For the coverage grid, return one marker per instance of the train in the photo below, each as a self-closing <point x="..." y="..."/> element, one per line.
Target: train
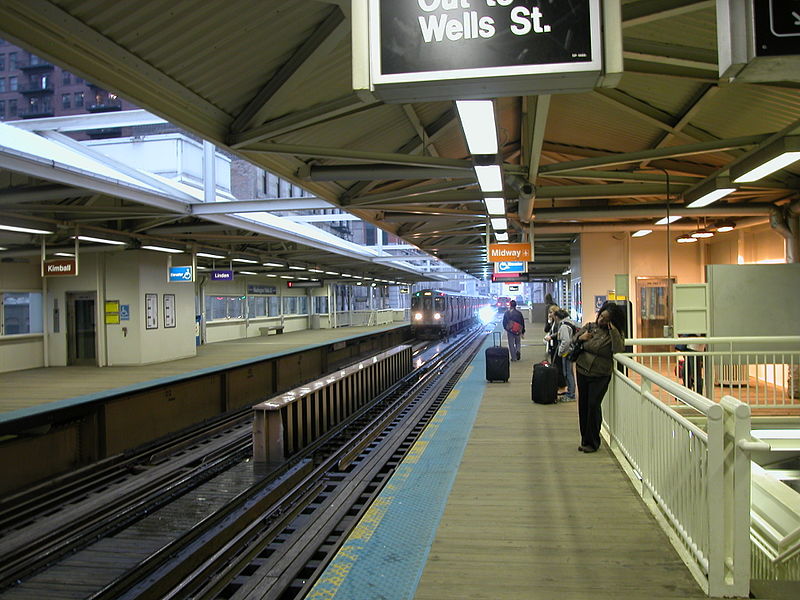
<point x="437" y="313"/>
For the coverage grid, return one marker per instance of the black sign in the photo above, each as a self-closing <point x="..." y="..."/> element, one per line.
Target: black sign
<point x="777" y="27"/>
<point x="441" y="35"/>
<point x="304" y="284"/>
<point x="267" y="290"/>
<point x="511" y="277"/>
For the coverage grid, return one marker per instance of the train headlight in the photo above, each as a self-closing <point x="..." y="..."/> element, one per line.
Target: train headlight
<point x="418" y="316"/>
<point x="436" y="316"/>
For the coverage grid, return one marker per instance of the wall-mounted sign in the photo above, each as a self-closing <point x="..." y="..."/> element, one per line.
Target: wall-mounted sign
<point x="124" y="312"/>
<point x="510" y="252"/>
<point x="169" y="311"/>
<point x="222" y="275"/>
<point x="482" y="48"/>
<point x="264" y="290"/>
<point x="510" y="267"/>
<point x="181" y="274"/>
<point x="304" y="284"/>
<point x="111" y="310"/>
<point x="777" y="27"/>
<point x="151" y="311"/>
<point x="404" y="290"/>
<point x="62" y="267"/>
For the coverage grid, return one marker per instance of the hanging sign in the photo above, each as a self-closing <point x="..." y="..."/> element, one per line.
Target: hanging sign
<point x="447" y="49"/>
<point x="511" y="267"/>
<point x="222" y="275"/>
<point x="181" y="274"/>
<point x="63" y="267"/>
<point x="509" y="252"/>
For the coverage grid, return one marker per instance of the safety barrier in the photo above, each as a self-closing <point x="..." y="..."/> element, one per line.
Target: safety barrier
<point x="693" y="474"/>
<point x="289" y="422"/>
<point x="761" y="372"/>
<point x="362" y="318"/>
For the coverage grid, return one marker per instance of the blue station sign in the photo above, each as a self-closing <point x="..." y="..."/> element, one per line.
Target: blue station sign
<point x="181" y="274"/>
<point x="222" y="275"/>
<point x="511" y="267"/>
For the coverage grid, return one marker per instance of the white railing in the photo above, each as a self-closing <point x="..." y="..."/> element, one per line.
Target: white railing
<point x="693" y="474"/>
<point x="363" y="318"/>
<point x="775" y="528"/>
<point x="763" y="372"/>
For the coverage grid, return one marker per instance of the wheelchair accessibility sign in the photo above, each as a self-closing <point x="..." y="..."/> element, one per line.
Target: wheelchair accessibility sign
<point x="181" y="274"/>
<point x="510" y="267"/>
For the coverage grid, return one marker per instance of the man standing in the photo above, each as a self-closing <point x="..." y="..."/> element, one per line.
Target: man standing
<point x="514" y="324"/>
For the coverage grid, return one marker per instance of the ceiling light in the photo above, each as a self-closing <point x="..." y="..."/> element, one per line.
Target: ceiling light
<point x="489" y="178"/>
<point x="685" y="239"/>
<point x="162" y="249"/>
<point x="66" y="254"/>
<point x="286" y="277"/>
<point x="642" y="233"/>
<point x="708" y="192"/>
<point x="671" y="219"/>
<point x="97" y="240"/>
<point x="315" y="271"/>
<point x="270" y="275"/>
<point x="477" y="120"/>
<point x="702" y="233"/>
<point x="294" y="268"/>
<point x="767" y="160"/>
<point x="272" y="264"/>
<point x="724" y="226"/>
<point x="19" y="226"/>
<point x="502" y="236"/>
<point x="331" y="273"/>
<point x="499" y="224"/>
<point x="245" y="260"/>
<point x="346" y="275"/>
<point x="248" y="273"/>
<point x="209" y="255"/>
<point x="3" y="248"/>
<point x="495" y="206"/>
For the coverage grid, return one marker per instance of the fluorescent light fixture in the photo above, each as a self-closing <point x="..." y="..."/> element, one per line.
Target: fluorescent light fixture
<point x="489" y="178"/>
<point x="642" y="233"/>
<point x="331" y="273"/>
<point x="685" y="239"/>
<point x="97" y="240"/>
<point x="702" y="233"/>
<point x="162" y="249"/>
<point x="245" y="260"/>
<point x="270" y="275"/>
<point x="23" y="229"/>
<point x="495" y="206"/>
<point x="672" y="219"/>
<point x="708" y="192"/>
<point x="209" y="255"/>
<point x="66" y="254"/>
<point x="477" y="120"/>
<point x="4" y="248"/>
<point x="710" y="197"/>
<point x="248" y="273"/>
<point x="316" y="271"/>
<point x="724" y="226"/>
<point x="294" y="268"/>
<point x="303" y="278"/>
<point x="499" y="224"/>
<point x="357" y="277"/>
<point x="346" y="275"/>
<point x="502" y="236"/>
<point x="764" y="161"/>
<point x="286" y="277"/>
<point x="272" y="264"/>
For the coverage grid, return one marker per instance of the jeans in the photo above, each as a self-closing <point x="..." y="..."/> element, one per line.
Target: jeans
<point x="569" y="373"/>
<point x="590" y="414"/>
<point x="513" y="345"/>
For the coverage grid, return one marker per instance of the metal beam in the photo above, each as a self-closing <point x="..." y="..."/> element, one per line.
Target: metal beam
<point x="319" y="44"/>
<point x="365" y="156"/>
<point x="606" y="190"/>
<point x="84" y="122"/>
<point x="655" y="211"/>
<point x="639" y="176"/>
<point x="258" y="205"/>
<point x="39" y="193"/>
<point x="377" y="172"/>
<point x="671" y="152"/>
<point x="649" y="11"/>
<point x="671" y="54"/>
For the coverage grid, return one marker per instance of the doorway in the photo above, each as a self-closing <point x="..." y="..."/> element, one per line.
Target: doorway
<point x="81" y="328"/>
<point x="653" y="294"/>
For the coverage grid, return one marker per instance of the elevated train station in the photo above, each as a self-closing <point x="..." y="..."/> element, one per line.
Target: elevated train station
<point x="177" y="271"/>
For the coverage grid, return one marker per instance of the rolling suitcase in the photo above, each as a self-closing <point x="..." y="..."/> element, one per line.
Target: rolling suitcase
<point x="497" y="360"/>
<point x="544" y="386"/>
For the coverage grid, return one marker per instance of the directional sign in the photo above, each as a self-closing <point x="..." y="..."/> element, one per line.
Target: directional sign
<point x="777" y="27"/>
<point x="511" y="267"/>
<point x="222" y="275"/>
<point x="509" y="252"/>
<point x="181" y="274"/>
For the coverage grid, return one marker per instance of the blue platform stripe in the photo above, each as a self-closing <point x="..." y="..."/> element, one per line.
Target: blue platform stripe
<point x="386" y="553"/>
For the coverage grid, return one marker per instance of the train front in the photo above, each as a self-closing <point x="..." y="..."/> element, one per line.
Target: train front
<point x="429" y="314"/>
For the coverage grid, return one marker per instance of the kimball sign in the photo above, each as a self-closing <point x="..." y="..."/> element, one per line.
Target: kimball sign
<point x="444" y="49"/>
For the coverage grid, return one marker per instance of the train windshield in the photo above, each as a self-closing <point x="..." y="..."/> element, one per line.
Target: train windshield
<point x="415" y="301"/>
<point x="438" y="302"/>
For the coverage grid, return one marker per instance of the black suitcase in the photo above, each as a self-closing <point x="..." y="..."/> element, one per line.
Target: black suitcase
<point x="544" y="386"/>
<point x="497" y="361"/>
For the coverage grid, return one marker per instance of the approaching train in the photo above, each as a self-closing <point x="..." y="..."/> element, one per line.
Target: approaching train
<point x="436" y="314"/>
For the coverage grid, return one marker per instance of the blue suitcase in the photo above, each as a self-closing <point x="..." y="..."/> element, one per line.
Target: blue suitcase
<point x="497" y="360"/>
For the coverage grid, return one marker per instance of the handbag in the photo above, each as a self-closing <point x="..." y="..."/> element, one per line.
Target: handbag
<point x="515" y="327"/>
<point x="574" y="350"/>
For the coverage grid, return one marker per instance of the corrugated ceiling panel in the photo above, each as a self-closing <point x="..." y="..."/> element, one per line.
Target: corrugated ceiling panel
<point x="669" y="94"/>
<point x="697" y="29"/>
<point x="743" y="109"/>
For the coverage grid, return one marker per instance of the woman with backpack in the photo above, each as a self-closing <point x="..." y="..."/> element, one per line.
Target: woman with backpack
<point x="566" y="329"/>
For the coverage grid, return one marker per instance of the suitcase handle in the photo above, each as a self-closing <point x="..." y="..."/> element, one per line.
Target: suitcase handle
<point x="497" y="338"/>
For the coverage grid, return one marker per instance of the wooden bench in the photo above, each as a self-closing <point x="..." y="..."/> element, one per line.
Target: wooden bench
<point x="267" y="330"/>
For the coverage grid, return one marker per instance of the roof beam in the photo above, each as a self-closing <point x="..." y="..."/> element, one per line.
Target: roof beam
<point x="317" y="46"/>
<point x="670" y="54"/>
<point x="377" y="172"/>
<point x="265" y="205"/>
<point x="84" y="122"/>
<point x="41" y="193"/>
<point x="648" y="11"/>
<point x="345" y="154"/>
<point x="319" y="113"/>
<point x="671" y="152"/>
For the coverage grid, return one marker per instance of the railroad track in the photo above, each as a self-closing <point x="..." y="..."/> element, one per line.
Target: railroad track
<point x="261" y="508"/>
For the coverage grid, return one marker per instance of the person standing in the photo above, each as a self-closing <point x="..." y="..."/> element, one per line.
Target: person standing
<point x="514" y="324"/>
<point x="566" y="329"/>
<point x="594" y="366"/>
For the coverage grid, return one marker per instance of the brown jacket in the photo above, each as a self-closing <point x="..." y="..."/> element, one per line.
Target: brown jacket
<point x="595" y="360"/>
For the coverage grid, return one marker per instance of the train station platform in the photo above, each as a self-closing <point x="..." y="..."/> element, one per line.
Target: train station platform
<point x="31" y="388"/>
<point x="495" y="501"/>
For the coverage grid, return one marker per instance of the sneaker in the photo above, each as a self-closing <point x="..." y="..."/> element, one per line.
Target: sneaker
<point x="518" y="357"/>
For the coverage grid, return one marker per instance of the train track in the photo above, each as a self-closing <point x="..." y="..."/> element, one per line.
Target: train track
<point x="267" y="511"/>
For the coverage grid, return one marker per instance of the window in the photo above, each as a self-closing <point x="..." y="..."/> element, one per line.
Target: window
<point x="224" y="307"/>
<point x="65" y="100"/>
<point x="2" y="62"/>
<point x="12" y="60"/>
<point x="13" y="85"/>
<point x="295" y="305"/>
<point x="78" y="99"/>
<point x="21" y="312"/>
<point x="2" y="84"/>
<point x="257" y="306"/>
<point x="12" y="108"/>
<point x="66" y="77"/>
<point x="2" y="109"/>
<point x="320" y="305"/>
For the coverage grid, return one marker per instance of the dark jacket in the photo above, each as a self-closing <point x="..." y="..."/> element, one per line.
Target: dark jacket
<point x="512" y="314"/>
<point x="595" y="360"/>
